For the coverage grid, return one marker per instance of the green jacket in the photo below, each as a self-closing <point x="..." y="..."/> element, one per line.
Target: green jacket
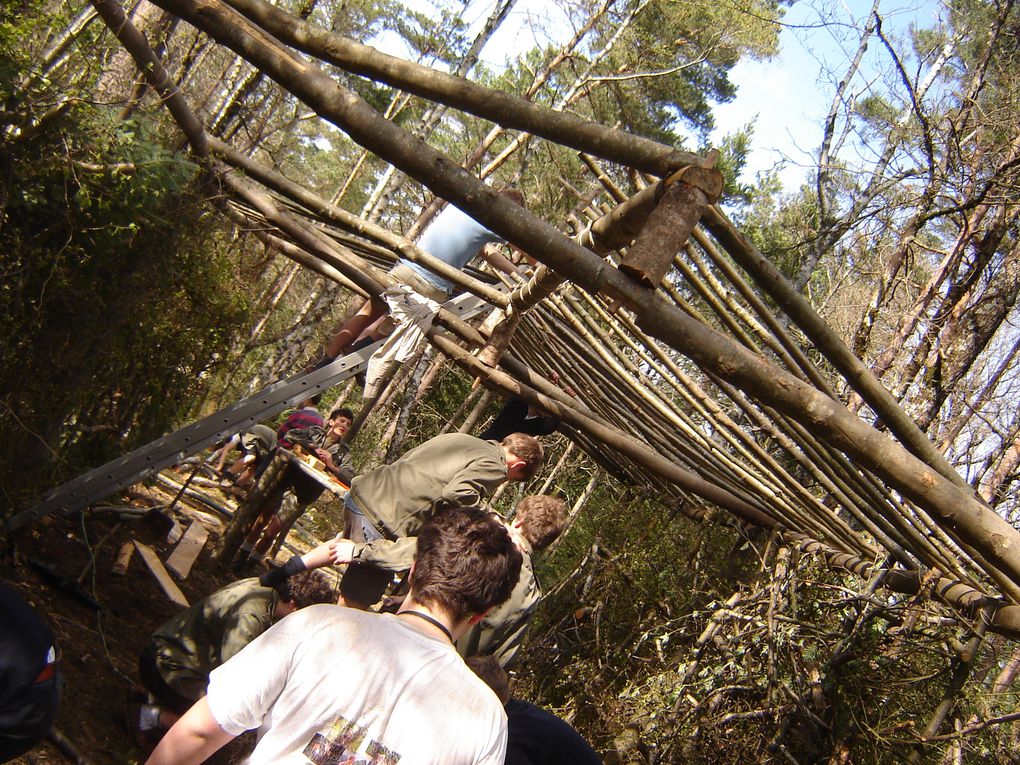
<point x="451" y="470"/>
<point x="499" y="633"/>
<point x="200" y="638"/>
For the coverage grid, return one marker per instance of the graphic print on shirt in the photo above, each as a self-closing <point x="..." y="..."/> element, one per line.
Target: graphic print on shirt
<point x="340" y="744"/>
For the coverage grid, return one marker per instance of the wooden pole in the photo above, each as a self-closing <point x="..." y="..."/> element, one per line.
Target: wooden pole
<point x="502" y="108"/>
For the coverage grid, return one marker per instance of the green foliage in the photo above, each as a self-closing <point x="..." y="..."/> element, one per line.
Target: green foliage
<point x="434" y="40"/>
<point x="114" y="301"/>
<point x="622" y="600"/>
<point x="358" y="19"/>
<point x="780" y="225"/>
<point x="876" y="111"/>
<point x="122" y="296"/>
<point x="795" y="666"/>
<point x="677" y="57"/>
<point x="733" y="150"/>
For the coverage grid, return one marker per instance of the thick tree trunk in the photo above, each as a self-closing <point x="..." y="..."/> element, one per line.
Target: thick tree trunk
<point x="505" y="109"/>
<point x="380" y="197"/>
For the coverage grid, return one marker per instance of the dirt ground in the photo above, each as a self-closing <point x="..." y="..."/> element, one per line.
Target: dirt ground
<point x="101" y="647"/>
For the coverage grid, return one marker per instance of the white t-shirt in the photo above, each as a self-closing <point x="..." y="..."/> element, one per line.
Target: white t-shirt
<point x="454" y="237"/>
<point x="335" y="686"/>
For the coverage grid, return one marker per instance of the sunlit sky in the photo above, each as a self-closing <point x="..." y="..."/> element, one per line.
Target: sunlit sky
<point x="786" y="98"/>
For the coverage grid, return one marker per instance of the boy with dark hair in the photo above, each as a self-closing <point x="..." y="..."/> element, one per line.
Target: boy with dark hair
<point x="386" y="507"/>
<point x="534" y="736"/>
<point x="175" y="666"/>
<point x="538" y="521"/>
<point x="332" y="684"/>
<point x="296" y="491"/>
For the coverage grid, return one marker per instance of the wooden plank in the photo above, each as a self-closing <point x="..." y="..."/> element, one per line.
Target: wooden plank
<point x="669" y="225"/>
<point x="175" y="533"/>
<point x="155" y="565"/>
<point x="184" y="555"/>
<point x="309" y="459"/>
<point x="120" y="566"/>
<point x="326" y="480"/>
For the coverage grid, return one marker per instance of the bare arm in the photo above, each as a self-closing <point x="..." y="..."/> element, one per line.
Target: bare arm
<point x="321" y="555"/>
<point x="491" y="255"/>
<point x="192" y="739"/>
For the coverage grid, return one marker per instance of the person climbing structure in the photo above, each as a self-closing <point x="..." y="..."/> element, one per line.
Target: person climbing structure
<point x="454" y="237"/>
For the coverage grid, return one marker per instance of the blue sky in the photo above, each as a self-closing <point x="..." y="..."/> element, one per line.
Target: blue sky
<point x="786" y="98"/>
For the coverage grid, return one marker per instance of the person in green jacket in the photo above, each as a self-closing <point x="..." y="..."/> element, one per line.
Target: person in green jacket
<point x="387" y="506"/>
<point x="175" y="665"/>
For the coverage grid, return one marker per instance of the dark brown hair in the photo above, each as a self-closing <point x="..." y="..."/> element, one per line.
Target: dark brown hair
<point x="343" y="412"/>
<point x="542" y="518"/>
<point x="466" y="562"/>
<point x="527" y="448"/>
<point x="307" y="588"/>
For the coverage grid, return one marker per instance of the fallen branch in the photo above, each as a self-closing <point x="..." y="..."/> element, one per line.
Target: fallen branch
<point x="65" y="747"/>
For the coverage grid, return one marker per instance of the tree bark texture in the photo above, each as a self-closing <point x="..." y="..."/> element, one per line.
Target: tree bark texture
<point x="507" y="110"/>
<point x="964" y="517"/>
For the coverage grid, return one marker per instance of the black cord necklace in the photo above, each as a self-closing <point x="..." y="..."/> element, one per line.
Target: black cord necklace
<point x="434" y="622"/>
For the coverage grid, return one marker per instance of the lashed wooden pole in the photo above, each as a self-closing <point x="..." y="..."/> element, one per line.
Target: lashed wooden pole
<point x="964" y="516"/>
<point x="505" y="109"/>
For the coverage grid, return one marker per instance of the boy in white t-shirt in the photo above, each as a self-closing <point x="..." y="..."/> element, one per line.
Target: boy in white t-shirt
<point x="331" y="684"/>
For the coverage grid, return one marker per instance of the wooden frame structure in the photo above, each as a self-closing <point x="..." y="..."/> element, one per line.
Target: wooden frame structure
<point x="687" y="379"/>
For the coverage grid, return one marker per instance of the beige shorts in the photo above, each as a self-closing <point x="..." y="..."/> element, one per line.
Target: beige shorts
<point x="405" y="275"/>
